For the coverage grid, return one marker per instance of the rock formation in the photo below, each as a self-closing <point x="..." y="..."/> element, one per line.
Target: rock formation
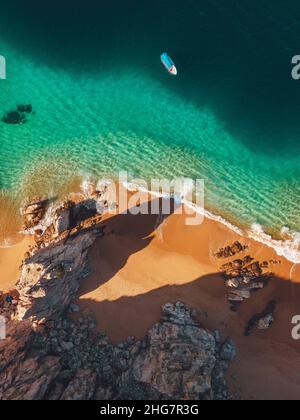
<point x="231" y="250"/>
<point x="243" y="277"/>
<point x="33" y="212"/>
<point x="66" y="360"/>
<point x="263" y="320"/>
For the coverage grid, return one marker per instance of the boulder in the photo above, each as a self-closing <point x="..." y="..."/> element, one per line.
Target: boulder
<point x="14" y="117"/>
<point x="265" y="322"/>
<point x="62" y="219"/>
<point x="51" y="277"/>
<point x="34" y="211"/>
<point x="262" y="321"/>
<point x="179" y="359"/>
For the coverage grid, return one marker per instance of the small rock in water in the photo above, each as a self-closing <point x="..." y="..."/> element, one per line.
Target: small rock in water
<point x="14" y="117"/>
<point x="17" y="116"/>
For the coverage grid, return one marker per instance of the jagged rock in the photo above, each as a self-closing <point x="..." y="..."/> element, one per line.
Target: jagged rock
<point x="51" y="277"/>
<point x="178" y="360"/>
<point x="24" y="376"/>
<point x="34" y="211"/>
<point x="81" y="387"/>
<point x="228" y="351"/>
<point x="83" y="210"/>
<point x="62" y="218"/>
<point x="233" y="283"/>
<point x="263" y="320"/>
<point x="231" y="250"/>
<point x="242" y="277"/>
<point x="239" y="295"/>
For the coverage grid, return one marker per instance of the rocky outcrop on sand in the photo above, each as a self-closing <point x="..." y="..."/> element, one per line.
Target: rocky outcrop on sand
<point x="33" y="212"/>
<point x="245" y="276"/>
<point x="26" y="370"/>
<point x="50" y="278"/>
<point x="262" y="321"/>
<point x="231" y="250"/>
<point x="67" y="360"/>
<point x="180" y="360"/>
<point x="52" y="271"/>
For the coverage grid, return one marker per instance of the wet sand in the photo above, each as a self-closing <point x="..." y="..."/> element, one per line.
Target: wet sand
<point x="144" y="262"/>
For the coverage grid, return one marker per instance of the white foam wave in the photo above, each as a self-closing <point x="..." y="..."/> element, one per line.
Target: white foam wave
<point x="288" y="248"/>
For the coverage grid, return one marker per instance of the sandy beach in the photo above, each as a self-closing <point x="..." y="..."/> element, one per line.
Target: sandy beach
<point x="144" y="262"/>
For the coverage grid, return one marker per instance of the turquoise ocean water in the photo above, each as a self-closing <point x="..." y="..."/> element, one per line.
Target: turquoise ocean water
<point x="104" y="103"/>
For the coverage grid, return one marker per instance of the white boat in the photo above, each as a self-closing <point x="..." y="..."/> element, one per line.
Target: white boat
<point x="168" y="64"/>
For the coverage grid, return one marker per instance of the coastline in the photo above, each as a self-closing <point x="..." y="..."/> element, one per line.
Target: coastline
<point x="285" y="242"/>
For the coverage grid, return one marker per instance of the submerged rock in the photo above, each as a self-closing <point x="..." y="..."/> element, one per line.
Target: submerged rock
<point x="17" y="116"/>
<point x="14" y="117"/>
<point x="179" y="360"/>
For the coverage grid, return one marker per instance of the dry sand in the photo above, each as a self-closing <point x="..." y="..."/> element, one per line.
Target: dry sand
<point x="144" y="262"/>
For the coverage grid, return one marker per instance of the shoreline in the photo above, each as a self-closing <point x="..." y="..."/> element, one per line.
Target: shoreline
<point x="286" y="243"/>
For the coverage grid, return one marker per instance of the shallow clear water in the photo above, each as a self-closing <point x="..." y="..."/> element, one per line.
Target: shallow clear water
<point x="104" y="103"/>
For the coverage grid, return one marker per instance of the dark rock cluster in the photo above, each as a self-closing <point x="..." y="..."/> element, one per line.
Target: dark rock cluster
<point x="67" y="360"/>
<point x="17" y="116"/>
<point x="263" y="320"/>
<point x="243" y="277"/>
<point x="231" y="250"/>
